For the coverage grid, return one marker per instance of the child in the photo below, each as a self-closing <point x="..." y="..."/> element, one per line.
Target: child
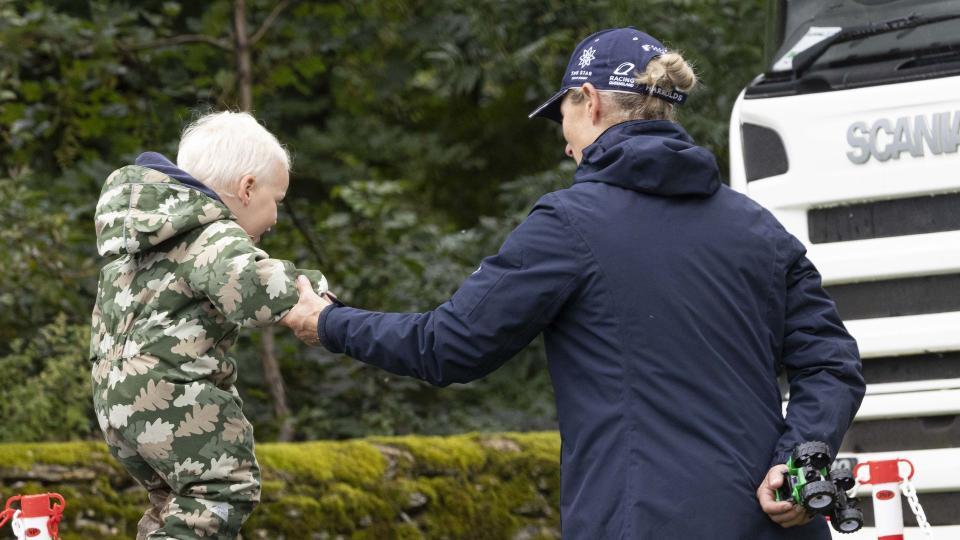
<point x="168" y="308"/>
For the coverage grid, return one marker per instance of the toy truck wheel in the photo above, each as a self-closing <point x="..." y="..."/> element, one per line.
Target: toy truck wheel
<point x="847" y="520"/>
<point x="819" y="496"/>
<point x="843" y="479"/>
<point x="816" y="454"/>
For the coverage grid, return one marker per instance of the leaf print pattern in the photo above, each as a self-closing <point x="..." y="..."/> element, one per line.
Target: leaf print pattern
<point x="156" y="396"/>
<point x="189" y="396"/>
<point x="201" y="420"/>
<point x="183" y="276"/>
<point x="234" y="430"/>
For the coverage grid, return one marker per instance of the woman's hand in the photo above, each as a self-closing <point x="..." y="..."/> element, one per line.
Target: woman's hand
<point x="305" y="315"/>
<point x="786" y="513"/>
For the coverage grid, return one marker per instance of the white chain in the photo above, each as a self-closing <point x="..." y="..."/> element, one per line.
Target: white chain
<point x="910" y="492"/>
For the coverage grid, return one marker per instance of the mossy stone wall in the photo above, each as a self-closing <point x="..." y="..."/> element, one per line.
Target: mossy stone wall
<point x="474" y="486"/>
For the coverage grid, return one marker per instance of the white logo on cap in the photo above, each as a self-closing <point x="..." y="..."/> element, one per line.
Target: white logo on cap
<point x="624" y="69"/>
<point x="647" y="47"/>
<point x="587" y="56"/>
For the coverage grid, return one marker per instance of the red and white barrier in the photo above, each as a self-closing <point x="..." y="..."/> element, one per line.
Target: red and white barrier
<point x="37" y="518"/>
<point x="885" y="478"/>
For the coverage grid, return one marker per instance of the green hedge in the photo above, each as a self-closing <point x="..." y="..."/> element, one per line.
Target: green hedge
<point x="483" y="486"/>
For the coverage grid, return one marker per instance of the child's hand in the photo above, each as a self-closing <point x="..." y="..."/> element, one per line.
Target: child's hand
<point x="304" y="316"/>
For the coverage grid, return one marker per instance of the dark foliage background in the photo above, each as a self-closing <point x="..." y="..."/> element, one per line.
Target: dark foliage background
<point x="413" y="159"/>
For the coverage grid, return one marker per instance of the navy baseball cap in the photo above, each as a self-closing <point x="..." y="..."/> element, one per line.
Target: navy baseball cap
<point x="610" y="60"/>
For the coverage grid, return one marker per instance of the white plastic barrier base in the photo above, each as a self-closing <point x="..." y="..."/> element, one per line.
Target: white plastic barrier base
<point x="951" y="532"/>
<point x="30" y="528"/>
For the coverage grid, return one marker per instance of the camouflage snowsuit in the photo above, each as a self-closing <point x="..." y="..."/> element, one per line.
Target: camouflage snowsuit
<point x="168" y="309"/>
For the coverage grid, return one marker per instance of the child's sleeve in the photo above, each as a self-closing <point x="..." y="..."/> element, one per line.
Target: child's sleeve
<point x="316" y="278"/>
<point x="241" y="280"/>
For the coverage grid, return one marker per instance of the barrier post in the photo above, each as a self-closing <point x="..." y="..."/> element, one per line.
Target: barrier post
<point x="885" y="478"/>
<point x="38" y="518"/>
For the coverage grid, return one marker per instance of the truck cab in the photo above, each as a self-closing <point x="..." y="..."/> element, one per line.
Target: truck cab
<point x="851" y="138"/>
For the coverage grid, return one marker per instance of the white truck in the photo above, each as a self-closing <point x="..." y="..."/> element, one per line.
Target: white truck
<point x="852" y="139"/>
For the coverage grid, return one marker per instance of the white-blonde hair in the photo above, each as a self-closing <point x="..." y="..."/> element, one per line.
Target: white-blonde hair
<point x="219" y="149"/>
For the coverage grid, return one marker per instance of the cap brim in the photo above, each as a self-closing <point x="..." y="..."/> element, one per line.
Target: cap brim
<point x="550" y="108"/>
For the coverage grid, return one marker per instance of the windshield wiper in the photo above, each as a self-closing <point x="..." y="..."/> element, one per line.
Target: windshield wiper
<point x="805" y="59"/>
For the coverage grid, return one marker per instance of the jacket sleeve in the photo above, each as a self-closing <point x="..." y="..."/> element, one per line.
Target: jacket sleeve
<point x="243" y="283"/>
<point x="821" y="360"/>
<point x="497" y="310"/>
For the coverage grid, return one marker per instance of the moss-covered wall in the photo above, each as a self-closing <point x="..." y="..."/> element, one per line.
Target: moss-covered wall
<point x="481" y="486"/>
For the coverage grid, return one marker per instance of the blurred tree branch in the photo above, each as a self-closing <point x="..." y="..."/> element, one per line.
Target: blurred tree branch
<point x="304" y="232"/>
<point x="187" y="39"/>
<point x="268" y="21"/>
<point x="183" y="39"/>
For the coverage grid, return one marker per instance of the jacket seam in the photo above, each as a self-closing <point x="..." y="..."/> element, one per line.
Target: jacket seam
<point x="490" y="289"/>
<point x="624" y="399"/>
<point x="770" y="295"/>
<point x="509" y="343"/>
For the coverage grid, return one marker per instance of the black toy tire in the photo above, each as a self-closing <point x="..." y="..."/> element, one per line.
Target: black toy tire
<point x="847" y="520"/>
<point x="813" y="453"/>
<point x="819" y="496"/>
<point x="843" y="479"/>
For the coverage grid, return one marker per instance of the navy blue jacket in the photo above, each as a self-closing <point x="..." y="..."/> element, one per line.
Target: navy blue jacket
<point x="667" y="302"/>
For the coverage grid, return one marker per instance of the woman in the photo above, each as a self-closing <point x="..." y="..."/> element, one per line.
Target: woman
<point x="667" y="302"/>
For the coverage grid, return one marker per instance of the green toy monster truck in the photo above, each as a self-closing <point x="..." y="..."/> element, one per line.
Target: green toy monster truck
<point x="809" y="482"/>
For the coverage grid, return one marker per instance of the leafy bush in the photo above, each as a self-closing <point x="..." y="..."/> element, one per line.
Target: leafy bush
<point x="47" y="386"/>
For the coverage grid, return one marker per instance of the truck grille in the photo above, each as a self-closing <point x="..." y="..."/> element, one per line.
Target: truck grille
<point x="915" y="367"/>
<point x="896" y="434"/>
<point x="883" y="219"/>
<point x="897" y="297"/>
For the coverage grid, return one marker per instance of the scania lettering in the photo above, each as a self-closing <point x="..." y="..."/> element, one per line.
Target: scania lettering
<point x="937" y="132"/>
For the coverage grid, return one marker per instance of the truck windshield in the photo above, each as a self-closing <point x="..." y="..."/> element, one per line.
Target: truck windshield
<point x="931" y="32"/>
<point x="829" y="45"/>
